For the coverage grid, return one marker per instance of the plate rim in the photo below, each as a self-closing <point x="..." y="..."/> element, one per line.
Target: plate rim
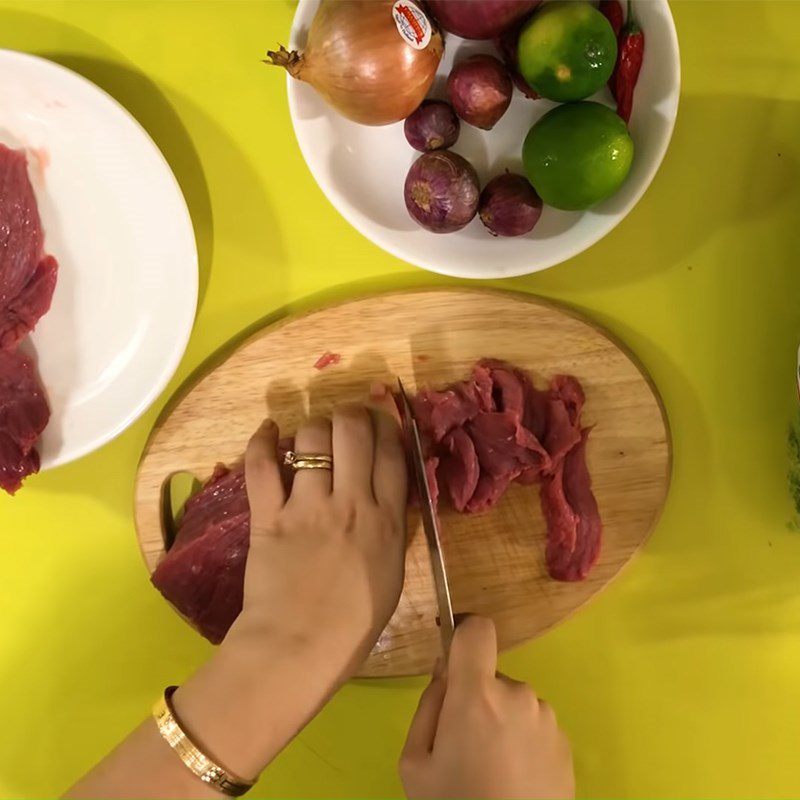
<point x="187" y="307"/>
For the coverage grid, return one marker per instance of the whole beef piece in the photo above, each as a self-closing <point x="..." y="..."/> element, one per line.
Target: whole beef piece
<point x="27" y="282"/>
<point x="480" y="436"/>
<point x="24" y="413"/>
<point x="203" y="573"/>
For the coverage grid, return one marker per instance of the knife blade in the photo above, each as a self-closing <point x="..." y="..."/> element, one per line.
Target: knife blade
<point x="430" y="523"/>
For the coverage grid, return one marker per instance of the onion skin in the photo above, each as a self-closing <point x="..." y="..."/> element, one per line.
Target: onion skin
<point x="442" y="191"/>
<point x="480" y="90"/>
<point x="360" y="64"/>
<point x="433" y="126"/>
<point x="509" y="205"/>
<point x="479" y="19"/>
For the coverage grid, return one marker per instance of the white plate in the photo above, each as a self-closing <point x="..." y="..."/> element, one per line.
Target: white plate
<point x="362" y="169"/>
<point x="115" y="218"/>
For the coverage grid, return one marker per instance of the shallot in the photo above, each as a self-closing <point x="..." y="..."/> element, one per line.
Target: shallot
<point x="441" y="191"/>
<point x="480" y="90"/>
<point x="509" y="205"/>
<point x="433" y="126"/>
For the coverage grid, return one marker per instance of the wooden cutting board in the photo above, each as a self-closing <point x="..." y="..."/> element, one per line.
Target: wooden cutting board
<point x="495" y="560"/>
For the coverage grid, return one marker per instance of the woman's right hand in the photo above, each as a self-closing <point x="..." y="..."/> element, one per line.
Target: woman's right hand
<point x="478" y="734"/>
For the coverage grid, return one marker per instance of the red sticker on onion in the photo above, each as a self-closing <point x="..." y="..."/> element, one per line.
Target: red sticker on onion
<point x="412" y="24"/>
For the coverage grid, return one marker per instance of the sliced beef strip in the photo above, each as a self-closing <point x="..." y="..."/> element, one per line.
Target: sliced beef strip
<point x="489" y="490"/>
<point x="514" y="392"/>
<point x="431" y="466"/>
<point x="562" y="521"/>
<point x="437" y="413"/>
<point x="573" y="519"/>
<point x="503" y="445"/>
<point x="482" y="380"/>
<point x="534" y="417"/>
<point x="564" y="406"/>
<point x="458" y="468"/>
<point x="506" y="451"/>
<point x="508" y="391"/>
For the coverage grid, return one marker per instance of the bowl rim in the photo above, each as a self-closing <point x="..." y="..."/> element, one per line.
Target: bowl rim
<point x="490" y="270"/>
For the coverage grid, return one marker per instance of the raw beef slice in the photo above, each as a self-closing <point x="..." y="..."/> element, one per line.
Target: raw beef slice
<point x="21" y="237"/>
<point x="22" y="313"/>
<point x="27" y="278"/>
<point x="437" y="413"/>
<point x="24" y="413"/>
<point x="574" y="528"/>
<point x="564" y="406"/>
<point x="458" y="468"/>
<point x="27" y="282"/>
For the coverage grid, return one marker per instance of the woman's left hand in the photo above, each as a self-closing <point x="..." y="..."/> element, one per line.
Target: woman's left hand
<point x="326" y="564"/>
<point x="324" y="574"/>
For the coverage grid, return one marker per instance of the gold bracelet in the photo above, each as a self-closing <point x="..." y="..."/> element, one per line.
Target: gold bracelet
<point x="192" y="756"/>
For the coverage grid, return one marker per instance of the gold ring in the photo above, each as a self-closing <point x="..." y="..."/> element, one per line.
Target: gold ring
<point x="305" y="463"/>
<point x="298" y="461"/>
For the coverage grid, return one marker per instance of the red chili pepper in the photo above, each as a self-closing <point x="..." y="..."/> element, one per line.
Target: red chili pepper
<point x="612" y="11"/>
<point x="629" y="61"/>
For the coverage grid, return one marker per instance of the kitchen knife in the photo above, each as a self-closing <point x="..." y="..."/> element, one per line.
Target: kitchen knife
<point x="430" y="522"/>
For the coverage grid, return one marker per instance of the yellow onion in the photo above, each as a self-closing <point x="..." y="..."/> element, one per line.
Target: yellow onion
<point x="371" y="60"/>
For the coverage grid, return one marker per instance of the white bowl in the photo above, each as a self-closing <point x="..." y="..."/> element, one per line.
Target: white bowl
<point x="362" y="169"/>
<point x="114" y="217"/>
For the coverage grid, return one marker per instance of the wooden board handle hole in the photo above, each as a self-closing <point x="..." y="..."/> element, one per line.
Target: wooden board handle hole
<point x="175" y="491"/>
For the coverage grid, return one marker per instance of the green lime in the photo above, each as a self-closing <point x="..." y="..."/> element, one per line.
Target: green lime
<point x="567" y="50"/>
<point x="577" y="155"/>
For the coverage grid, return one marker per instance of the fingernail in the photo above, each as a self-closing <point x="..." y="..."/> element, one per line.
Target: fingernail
<point x="377" y="390"/>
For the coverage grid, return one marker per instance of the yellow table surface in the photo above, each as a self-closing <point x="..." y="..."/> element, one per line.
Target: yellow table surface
<point x="683" y="678"/>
